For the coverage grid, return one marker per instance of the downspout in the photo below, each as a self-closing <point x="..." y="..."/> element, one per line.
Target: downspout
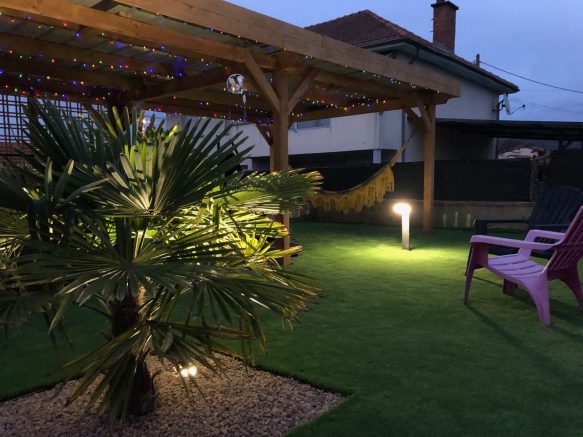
<point x="497" y="140"/>
<point x="403" y="133"/>
<point x="377" y="157"/>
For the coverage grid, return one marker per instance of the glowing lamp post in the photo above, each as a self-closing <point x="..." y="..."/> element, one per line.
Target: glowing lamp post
<point x="404" y="210"/>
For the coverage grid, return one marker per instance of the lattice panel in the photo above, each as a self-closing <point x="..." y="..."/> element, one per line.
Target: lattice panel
<point x="13" y="123"/>
<point x="72" y="109"/>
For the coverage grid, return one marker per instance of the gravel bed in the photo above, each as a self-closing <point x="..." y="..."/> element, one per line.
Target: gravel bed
<point x="247" y="402"/>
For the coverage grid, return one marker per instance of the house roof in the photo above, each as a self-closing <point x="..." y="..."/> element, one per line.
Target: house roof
<point x="366" y="29"/>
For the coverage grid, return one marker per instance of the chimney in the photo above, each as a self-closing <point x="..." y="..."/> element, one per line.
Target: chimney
<point x="444" y="13"/>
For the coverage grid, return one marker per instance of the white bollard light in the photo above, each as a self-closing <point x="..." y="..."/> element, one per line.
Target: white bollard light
<point x="404" y="210"/>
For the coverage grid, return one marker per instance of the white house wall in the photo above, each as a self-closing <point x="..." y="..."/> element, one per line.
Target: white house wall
<point x="356" y="132"/>
<point x="475" y="102"/>
<point x="390" y="132"/>
<point x="384" y="131"/>
<point x="344" y="134"/>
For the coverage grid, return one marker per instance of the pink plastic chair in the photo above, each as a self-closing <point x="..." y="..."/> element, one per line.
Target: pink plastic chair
<point x="520" y="270"/>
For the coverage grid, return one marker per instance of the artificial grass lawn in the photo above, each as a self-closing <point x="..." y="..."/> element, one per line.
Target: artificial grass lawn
<point x="391" y="330"/>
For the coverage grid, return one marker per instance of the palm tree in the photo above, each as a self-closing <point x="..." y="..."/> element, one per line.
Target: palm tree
<point x="152" y="229"/>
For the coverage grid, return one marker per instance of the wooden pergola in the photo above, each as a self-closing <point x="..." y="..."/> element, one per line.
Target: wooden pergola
<point x="175" y="56"/>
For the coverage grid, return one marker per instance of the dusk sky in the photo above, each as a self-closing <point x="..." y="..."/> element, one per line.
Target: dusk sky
<point x="538" y="39"/>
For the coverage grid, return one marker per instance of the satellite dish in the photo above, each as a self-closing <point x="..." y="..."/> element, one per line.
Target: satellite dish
<point x="507" y="104"/>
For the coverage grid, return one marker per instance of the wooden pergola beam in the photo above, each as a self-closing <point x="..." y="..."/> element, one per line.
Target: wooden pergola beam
<point x="302" y="90"/>
<point x="242" y="22"/>
<point x="349" y="83"/>
<point x="425" y="118"/>
<point x="9" y="82"/>
<point x="64" y="52"/>
<point x="302" y="87"/>
<point x="314" y="76"/>
<point x="325" y="98"/>
<point x="131" y="30"/>
<point x="220" y="96"/>
<point x="190" y="107"/>
<point x="416" y="119"/>
<point x="265" y="133"/>
<point x="175" y="86"/>
<point x="357" y="110"/>
<point x="261" y="80"/>
<point x="70" y="74"/>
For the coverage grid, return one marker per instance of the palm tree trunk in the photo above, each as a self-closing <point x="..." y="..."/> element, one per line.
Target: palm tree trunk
<point x="143" y="394"/>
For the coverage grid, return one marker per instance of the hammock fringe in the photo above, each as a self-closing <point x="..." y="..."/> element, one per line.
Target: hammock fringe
<point x="362" y="196"/>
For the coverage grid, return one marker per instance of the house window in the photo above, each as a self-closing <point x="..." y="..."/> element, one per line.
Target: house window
<point x="325" y="122"/>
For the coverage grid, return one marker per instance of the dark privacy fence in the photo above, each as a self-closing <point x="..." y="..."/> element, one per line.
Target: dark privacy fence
<point x="565" y="168"/>
<point x="504" y="180"/>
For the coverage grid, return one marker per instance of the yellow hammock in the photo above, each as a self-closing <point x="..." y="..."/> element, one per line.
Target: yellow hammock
<point x="366" y="194"/>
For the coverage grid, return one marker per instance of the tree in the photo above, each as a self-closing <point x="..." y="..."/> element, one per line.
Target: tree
<point x="152" y="229"/>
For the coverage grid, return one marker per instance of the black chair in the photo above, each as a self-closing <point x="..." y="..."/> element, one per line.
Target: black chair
<point x="553" y="211"/>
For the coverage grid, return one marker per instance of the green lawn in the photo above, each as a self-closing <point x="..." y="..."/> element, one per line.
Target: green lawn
<point x="391" y="330"/>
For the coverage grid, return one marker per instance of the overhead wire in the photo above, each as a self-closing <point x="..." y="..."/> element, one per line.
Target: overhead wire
<point x="547" y="106"/>
<point x="533" y="80"/>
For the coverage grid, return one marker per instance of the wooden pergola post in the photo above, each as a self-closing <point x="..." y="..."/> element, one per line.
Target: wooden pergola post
<point x="426" y="122"/>
<point x="279" y="150"/>
<point x="429" y="168"/>
<point x="282" y="103"/>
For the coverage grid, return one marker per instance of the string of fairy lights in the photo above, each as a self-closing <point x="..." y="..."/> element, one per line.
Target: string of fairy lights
<point x="166" y="66"/>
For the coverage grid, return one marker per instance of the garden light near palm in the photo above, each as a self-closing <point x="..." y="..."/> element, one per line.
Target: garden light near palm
<point x="404" y="210"/>
<point x="189" y="371"/>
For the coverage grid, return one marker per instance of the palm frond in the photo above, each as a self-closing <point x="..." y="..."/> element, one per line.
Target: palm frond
<point x="274" y="192"/>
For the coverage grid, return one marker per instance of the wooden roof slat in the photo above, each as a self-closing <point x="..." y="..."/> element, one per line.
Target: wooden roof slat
<point x="131" y="30"/>
<point x="68" y="74"/>
<point x="174" y="86"/>
<point x="213" y="111"/>
<point x="357" y="110"/>
<point x="34" y="47"/>
<point x="220" y="96"/>
<point x="51" y="86"/>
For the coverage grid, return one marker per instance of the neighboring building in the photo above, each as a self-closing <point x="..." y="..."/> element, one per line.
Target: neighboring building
<point x="373" y="138"/>
<point x="520" y="151"/>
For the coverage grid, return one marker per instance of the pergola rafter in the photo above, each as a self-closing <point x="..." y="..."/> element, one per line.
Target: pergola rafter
<point x="174" y="55"/>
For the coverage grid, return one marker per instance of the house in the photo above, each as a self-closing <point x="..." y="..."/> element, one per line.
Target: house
<point x="374" y="138"/>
